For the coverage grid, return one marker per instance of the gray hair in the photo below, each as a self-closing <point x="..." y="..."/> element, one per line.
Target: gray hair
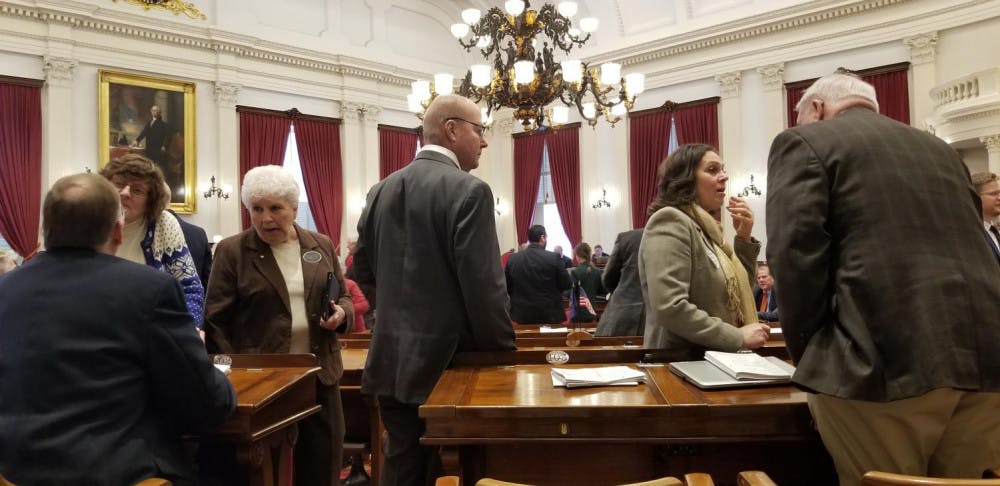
<point x="271" y="181"/>
<point x="836" y="87"/>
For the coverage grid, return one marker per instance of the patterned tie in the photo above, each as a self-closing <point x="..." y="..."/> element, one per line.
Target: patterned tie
<point x="993" y="245"/>
<point x="763" y="301"/>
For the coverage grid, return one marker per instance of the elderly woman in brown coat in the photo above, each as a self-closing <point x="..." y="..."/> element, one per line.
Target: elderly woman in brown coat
<point x="266" y="296"/>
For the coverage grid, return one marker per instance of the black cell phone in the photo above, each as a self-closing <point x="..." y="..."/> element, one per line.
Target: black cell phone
<point x="331" y="293"/>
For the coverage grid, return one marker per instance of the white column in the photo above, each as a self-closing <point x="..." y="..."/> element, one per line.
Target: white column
<point x="500" y="176"/>
<point x="992" y="144"/>
<point x="773" y="79"/>
<point x="353" y="147"/>
<point x="773" y="122"/>
<point x="58" y="156"/>
<point x="923" y="52"/>
<point x="227" y="159"/>
<point x="730" y="134"/>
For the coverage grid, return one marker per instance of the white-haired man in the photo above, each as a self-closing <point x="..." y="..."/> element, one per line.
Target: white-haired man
<point x="889" y="293"/>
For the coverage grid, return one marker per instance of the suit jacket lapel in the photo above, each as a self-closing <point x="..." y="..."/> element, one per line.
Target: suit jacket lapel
<point x="263" y="260"/>
<point x="311" y="268"/>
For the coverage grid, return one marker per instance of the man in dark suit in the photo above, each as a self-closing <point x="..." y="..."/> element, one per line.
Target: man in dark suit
<point x="558" y="250"/>
<point x="625" y="314"/>
<point x="101" y="370"/>
<point x="536" y="280"/>
<point x="764" y="296"/>
<point x="427" y="241"/>
<point x="988" y="187"/>
<point x="197" y="242"/>
<point x="155" y="133"/>
<point x="889" y="296"/>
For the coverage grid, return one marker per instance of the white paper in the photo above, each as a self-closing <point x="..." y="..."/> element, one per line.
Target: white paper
<point x="607" y="375"/>
<point x="553" y="329"/>
<point x="745" y="365"/>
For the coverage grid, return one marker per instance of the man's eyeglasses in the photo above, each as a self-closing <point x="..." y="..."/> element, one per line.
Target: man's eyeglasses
<point x="990" y="194"/>
<point x="479" y="128"/>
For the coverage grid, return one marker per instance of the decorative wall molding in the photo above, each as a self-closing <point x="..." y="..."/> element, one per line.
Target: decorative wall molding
<point x="371" y="113"/>
<point x="923" y="47"/>
<point x="213" y="40"/>
<point x="59" y="71"/>
<point x="729" y="84"/>
<point x="773" y="76"/>
<point x="351" y="111"/>
<point x="992" y="143"/>
<point x="227" y="94"/>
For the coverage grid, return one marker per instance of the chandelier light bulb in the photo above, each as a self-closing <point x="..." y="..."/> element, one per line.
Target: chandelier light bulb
<point x="572" y="70"/>
<point x="567" y="9"/>
<point x="514" y="7"/>
<point x="483" y="42"/>
<point x="413" y="104"/>
<point x="589" y="111"/>
<point x="560" y="115"/>
<point x="470" y="15"/>
<point x="482" y="74"/>
<point x="421" y="90"/>
<point x="444" y="83"/>
<point x="487" y="117"/>
<point x="588" y="24"/>
<point x="619" y="109"/>
<point x="611" y="73"/>
<point x="459" y="30"/>
<point x="524" y="72"/>
<point x="635" y="83"/>
<point x="573" y="32"/>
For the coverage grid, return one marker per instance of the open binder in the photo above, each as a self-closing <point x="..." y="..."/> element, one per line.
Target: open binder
<point x="732" y="370"/>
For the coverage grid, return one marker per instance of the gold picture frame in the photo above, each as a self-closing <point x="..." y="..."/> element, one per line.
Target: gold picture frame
<point x="125" y="111"/>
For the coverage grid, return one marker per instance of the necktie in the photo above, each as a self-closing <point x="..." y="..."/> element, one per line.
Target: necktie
<point x="763" y="301"/>
<point x="993" y="245"/>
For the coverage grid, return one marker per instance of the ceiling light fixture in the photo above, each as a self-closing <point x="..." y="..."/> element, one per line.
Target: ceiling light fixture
<point x="522" y="73"/>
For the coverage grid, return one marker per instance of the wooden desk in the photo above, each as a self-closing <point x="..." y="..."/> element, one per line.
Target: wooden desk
<point x="361" y="418"/>
<point x="510" y="423"/>
<point x="273" y="393"/>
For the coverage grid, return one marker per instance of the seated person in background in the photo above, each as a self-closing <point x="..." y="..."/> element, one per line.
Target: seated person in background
<point x="101" y="368"/>
<point x="599" y="257"/>
<point x="558" y="250"/>
<point x="625" y="314"/>
<point x="696" y="287"/>
<point x="587" y="274"/>
<point x="764" y="295"/>
<point x="360" y="305"/>
<point x="988" y="187"/>
<point x="536" y="280"/>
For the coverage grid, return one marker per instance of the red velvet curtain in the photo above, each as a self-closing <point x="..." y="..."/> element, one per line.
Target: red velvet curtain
<point x="318" y="143"/>
<point x="21" y="165"/>
<point x="396" y="147"/>
<point x="564" y="164"/>
<point x="698" y="123"/>
<point x="892" y="89"/>
<point x="649" y="137"/>
<point x="527" y="174"/>
<point x="263" y="138"/>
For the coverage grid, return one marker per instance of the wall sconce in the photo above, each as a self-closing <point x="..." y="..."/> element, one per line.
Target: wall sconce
<point x="500" y="207"/>
<point x="219" y="192"/>
<point x="603" y="201"/>
<point x="750" y="190"/>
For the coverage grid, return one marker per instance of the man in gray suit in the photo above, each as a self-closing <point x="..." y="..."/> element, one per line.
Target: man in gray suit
<point x="889" y="294"/>
<point x="427" y="242"/>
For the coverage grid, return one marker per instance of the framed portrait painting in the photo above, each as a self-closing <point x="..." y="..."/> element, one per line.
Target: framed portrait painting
<point x="153" y="117"/>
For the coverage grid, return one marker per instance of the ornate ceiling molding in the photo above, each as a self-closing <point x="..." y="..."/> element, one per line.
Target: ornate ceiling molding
<point x="211" y="39"/>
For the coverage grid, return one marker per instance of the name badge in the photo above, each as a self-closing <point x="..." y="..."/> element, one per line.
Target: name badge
<point x="312" y="256"/>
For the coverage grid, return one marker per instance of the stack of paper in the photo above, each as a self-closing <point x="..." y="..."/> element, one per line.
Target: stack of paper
<point x="746" y="366"/>
<point x="608" y="375"/>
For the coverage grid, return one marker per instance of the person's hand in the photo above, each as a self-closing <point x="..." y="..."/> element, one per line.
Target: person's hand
<point x="336" y="317"/>
<point x="755" y="335"/>
<point x="201" y="334"/>
<point x="742" y="217"/>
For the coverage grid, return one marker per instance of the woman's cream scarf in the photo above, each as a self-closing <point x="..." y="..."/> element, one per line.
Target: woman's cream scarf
<point x="741" y="302"/>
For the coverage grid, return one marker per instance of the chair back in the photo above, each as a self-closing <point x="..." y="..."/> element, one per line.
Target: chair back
<point x="876" y="478"/>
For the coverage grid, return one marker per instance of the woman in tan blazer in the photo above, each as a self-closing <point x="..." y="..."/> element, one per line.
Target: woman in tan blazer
<point x="266" y="296"/>
<point x="696" y="287"/>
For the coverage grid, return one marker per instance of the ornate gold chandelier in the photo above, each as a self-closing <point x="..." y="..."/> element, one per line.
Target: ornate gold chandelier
<point x="175" y="6"/>
<point x="523" y="74"/>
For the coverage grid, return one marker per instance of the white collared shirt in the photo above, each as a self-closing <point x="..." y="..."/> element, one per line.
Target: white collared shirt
<point x="993" y="237"/>
<point x="443" y="150"/>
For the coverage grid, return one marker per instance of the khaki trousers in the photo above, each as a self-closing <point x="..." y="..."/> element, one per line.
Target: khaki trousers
<point x="943" y="433"/>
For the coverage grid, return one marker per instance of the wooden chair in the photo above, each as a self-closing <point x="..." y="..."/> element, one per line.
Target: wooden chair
<point x="745" y="478"/>
<point x="876" y="478"/>
<point x="754" y="478"/>
<point x="144" y="482"/>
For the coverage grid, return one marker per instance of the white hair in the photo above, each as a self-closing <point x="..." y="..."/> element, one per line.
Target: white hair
<point x="836" y="87"/>
<point x="271" y="181"/>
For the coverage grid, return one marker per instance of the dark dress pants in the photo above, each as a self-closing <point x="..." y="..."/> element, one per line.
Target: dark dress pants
<point x="319" y="450"/>
<point x="406" y="461"/>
